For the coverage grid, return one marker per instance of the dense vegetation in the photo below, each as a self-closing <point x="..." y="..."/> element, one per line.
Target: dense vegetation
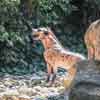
<point x="67" y="18"/>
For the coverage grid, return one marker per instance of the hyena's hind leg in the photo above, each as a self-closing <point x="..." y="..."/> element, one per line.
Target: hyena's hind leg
<point x="91" y="52"/>
<point x="97" y="51"/>
<point x="97" y="55"/>
<point x="68" y="82"/>
<point x="70" y="77"/>
<point x="90" y="45"/>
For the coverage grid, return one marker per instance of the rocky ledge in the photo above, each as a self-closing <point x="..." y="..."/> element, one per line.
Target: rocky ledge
<point x="87" y="81"/>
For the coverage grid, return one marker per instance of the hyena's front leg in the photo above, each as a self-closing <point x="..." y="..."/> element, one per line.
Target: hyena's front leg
<point x="50" y="72"/>
<point x="54" y="74"/>
<point x="52" y="77"/>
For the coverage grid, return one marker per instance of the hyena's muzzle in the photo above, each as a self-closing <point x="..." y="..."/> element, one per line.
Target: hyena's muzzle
<point x="33" y="37"/>
<point x="30" y="39"/>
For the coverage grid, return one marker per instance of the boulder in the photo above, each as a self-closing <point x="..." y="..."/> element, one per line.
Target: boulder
<point x="86" y="85"/>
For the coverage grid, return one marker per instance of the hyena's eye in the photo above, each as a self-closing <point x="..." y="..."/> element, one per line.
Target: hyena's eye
<point x="46" y="32"/>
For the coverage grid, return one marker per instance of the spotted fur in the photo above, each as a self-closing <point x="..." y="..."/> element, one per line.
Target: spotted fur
<point x="56" y="55"/>
<point x="92" y="40"/>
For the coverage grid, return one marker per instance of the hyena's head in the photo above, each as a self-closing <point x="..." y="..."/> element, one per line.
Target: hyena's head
<point x="40" y="33"/>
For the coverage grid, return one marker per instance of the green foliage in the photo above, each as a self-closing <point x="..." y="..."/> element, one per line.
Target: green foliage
<point x="52" y="11"/>
<point x="7" y="10"/>
<point x="16" y="53"/>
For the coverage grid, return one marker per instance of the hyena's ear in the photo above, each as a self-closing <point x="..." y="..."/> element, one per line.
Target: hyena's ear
<point x="49" y="29"/>
<point x="34" y="30"/>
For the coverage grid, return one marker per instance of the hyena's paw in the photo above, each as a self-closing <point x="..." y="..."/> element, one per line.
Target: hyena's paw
<point x="47" y="78"/>
<point x="67" y="83"/>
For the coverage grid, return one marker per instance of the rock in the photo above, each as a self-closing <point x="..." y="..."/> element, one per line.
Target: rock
<point x="44" y="90"/>
<point x="86" y="85"/>
<point x="28" y="87"/>
<point x="59" y="97"/>
<point x="10" y="92"/>
<point x="36" y="81"/>
<point x="25" y="90"/>
<point x="38" y="88"/>
<point x="5" y="97"/>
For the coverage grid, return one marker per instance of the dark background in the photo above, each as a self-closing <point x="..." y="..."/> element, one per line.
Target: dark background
<point x="69" y="19"/>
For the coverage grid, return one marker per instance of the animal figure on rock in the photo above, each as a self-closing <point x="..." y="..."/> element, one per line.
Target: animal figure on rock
<point x="56" y="55"/>
<point x="92" y="40"/>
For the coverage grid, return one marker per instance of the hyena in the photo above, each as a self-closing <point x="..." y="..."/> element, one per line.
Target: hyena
<point x="92" y="40"/>
<point x="56" y="55"/>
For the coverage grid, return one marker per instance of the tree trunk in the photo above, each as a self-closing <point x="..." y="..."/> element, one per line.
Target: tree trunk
<point x="26" y="8"/>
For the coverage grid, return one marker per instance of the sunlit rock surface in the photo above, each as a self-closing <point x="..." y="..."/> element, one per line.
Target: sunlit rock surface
<point x="29" y="87"/>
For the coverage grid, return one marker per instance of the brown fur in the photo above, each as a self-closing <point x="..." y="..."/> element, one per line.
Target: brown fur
<point x="55" y="55"/>
<point x="92" y="40"/>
